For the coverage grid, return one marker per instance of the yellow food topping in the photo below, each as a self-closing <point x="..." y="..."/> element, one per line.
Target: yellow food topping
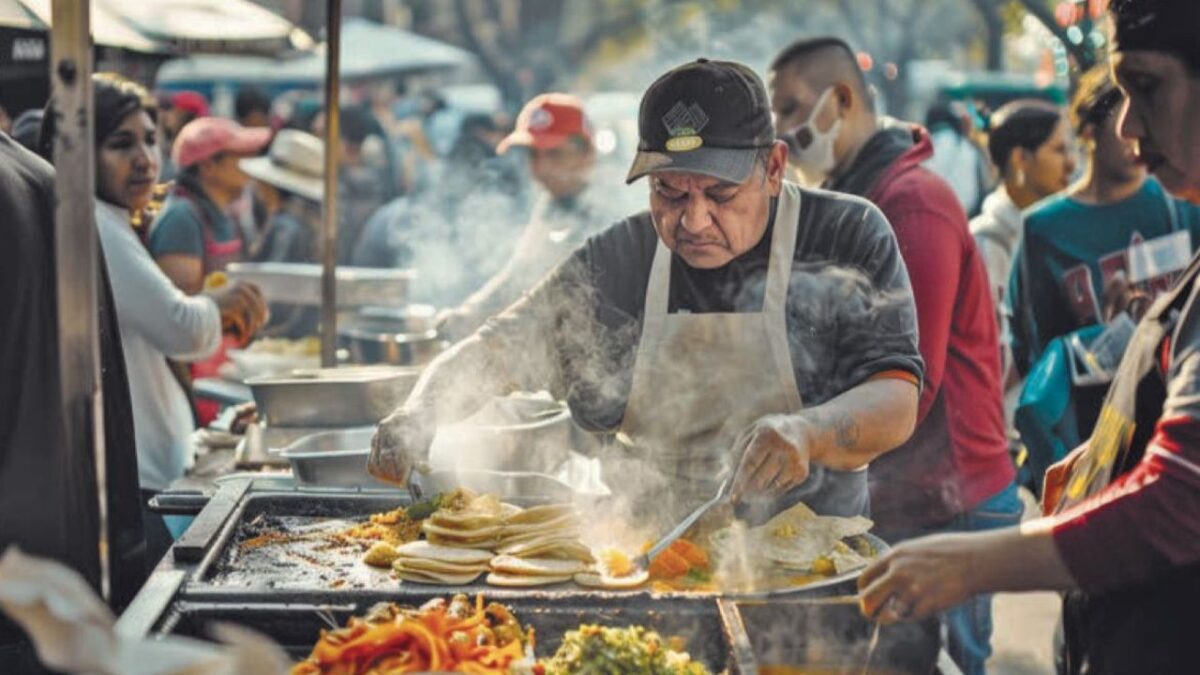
<point x="615" y="563"/>
<point x="784" y="531"/>
<point x="823" y="565"/>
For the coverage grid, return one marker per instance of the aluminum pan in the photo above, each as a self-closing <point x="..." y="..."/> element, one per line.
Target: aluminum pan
<point x="300" y="283"/>
<point x="335" y="459"/>
<point x="332" y="397"/>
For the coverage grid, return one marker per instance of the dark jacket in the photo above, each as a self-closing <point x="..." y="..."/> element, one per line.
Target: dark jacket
<point x="48" y="502"/>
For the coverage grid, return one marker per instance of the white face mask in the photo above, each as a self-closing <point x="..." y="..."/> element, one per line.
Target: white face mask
<point x="811" y="150"/>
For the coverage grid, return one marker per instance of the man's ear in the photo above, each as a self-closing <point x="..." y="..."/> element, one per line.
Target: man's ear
<point x="776" y="167"/>
<point x="846" y="98"/>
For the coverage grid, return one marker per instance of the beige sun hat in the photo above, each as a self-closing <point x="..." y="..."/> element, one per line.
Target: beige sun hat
<point x="295" y="163"/>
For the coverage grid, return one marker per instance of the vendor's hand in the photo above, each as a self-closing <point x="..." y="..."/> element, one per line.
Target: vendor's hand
<point x="453" y="324"/>
<point x="242" y="307"/>
<point x="775" y="456"/>
<point x="918" y="578"/>
<point x="1056" y="479"/>
<point x="400" y="443"/>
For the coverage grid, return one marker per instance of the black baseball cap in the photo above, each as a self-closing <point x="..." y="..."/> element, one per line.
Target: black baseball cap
<point x="706" y="117"/>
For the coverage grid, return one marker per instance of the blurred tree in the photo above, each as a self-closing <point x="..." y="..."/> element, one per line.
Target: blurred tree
<point x="529" y="46"/>
<point x="1084" y="52"/>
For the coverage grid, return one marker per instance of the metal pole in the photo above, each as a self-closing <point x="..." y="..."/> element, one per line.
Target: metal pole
<point x="333" y="48"/>
<point x="76" y="250"/>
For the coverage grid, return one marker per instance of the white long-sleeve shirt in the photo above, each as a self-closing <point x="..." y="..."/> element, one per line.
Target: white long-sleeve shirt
<point x="157" y="321"/>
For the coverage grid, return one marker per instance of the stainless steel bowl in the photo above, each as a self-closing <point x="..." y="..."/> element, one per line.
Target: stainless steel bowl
<point x="401" y="337"/>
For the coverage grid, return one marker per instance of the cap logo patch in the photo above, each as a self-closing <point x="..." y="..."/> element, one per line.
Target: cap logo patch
<point x="684" y="123"/>
<point x="540" y="119"/>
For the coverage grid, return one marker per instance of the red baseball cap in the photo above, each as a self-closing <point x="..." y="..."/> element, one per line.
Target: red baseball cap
<point x="192" y="102"/>
<point x="204" y="137"/>
<point x="548" y="121"/>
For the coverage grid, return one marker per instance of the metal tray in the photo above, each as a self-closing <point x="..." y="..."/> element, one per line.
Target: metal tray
<point x="333" y="459"/>
<point x="300" y="283"/>
<point x="804" y="632"/>
<point x="296" y="627"/>
<point x="332" y="397"/>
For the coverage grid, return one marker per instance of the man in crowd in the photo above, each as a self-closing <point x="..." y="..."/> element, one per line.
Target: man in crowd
<point x="1122" y="536"/>
<point x="252" y="107"/>
<point x="741" y="317"/>
<point x="194" y="236"/>
<point x="555" y="130"/>
<point x="955" y="472"/>
<point x="178" y="110"/>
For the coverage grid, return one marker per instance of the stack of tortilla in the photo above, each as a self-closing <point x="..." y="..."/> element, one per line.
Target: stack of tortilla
<point x="427" y="563"/>
<point x="478" y="525"/>
<point x="540" y="545"/>
<point x="521" y="547"/>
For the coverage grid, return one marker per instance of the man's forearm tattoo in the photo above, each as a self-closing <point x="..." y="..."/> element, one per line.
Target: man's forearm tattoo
<point x="845" y="430"/>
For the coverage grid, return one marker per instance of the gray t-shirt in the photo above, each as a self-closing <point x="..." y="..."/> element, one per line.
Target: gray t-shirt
<point x="850" y="311"/>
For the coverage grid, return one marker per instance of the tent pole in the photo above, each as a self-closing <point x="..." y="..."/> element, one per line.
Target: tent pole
<point x="76" y="252"/>
<point x="329" y="227"/>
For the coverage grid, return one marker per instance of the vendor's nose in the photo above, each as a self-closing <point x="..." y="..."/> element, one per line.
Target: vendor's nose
<point x="696" y="217"/>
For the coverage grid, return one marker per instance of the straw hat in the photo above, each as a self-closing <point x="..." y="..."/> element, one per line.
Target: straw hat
<point x="295" y="163"/>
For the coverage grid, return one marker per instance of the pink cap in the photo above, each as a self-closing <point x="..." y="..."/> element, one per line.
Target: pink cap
<point x="204" y="137"/>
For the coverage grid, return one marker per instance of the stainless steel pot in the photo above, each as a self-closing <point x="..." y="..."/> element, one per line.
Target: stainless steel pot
<point x="515" y="433"/>
<point x="401" y="337"/>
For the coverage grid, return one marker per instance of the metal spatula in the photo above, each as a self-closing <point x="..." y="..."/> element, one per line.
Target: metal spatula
<point x="643" y="561"/>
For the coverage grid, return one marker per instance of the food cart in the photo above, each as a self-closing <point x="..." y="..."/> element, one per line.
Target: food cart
<point x="294" y="591"/>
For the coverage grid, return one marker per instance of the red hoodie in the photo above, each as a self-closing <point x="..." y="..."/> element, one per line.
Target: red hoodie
<point x="958" y="455"/>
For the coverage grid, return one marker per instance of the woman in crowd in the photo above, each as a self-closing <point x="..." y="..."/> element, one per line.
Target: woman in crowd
<point x="289" y="185"/>
<point x="157" y="320"/>
<point x="1122" y="534"/>
<point x="1029" y="142"/>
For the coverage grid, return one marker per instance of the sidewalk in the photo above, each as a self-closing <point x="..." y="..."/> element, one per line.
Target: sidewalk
<point x="1022" y="641"/>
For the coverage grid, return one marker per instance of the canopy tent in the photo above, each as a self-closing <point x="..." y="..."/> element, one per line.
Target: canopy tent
<point x="179" y="26"/>
<point x="224" y="26"/>
<point x="368" y="50"/>
<point x="14" y="15"/>
<point x="108" y="28"/>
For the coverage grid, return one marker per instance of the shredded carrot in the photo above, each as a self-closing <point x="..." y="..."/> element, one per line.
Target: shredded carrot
<point x="431" y="640"/>
<point x="696" y="556"/>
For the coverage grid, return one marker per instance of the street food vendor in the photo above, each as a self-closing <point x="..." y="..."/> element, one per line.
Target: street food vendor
<point x="1122" y="534"/>
<point x="740" y="317"/>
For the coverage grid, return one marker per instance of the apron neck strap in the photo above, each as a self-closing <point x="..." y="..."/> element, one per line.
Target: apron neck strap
<point x="779" y="269"/>
<point x="783" y="249"/>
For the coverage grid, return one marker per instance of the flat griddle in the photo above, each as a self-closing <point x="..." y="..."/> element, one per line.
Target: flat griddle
<point x="313" y="570"/>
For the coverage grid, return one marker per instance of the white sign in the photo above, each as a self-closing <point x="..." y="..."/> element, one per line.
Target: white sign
<point x="29" y="49"/>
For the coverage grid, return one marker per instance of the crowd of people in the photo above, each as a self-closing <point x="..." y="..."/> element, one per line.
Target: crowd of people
<point x="805" y="267"/>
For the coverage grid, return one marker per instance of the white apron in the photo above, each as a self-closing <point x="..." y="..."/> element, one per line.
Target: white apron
<point x="701" y="379"/>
